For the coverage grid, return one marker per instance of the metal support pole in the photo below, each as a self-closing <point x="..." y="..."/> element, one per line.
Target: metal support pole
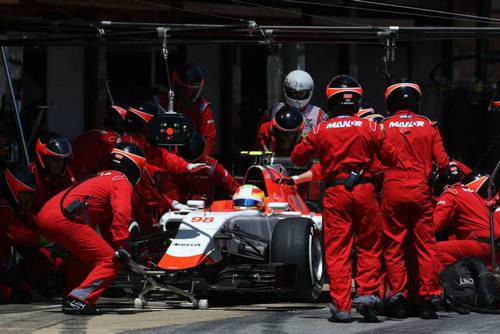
<point x="14" y="103"/>
<point x="491" y="218"/>
<point x="388" y="39"/>
<point x="108" y="91"/>
<point x="162" y="33"/>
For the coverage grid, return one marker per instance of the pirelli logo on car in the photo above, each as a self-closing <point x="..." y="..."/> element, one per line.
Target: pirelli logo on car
<point x="182" y="244"/>
<point x="343" y="124"/>
<point x="409" y="124"/>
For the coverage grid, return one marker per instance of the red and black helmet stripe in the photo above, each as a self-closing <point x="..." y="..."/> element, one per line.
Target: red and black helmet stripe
<point x="331" y="91"/>
<point x="392" y="88"/>
<point x="297" y="129"/>
<point x="136" y="159"/>
<point x="143" y="115"/>
<point x="15" y="185"/>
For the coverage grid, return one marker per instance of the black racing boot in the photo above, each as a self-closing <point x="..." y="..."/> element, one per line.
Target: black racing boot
<point x="396" y="307"/>
<point x="368" y="306"/>
<point x="427" y="310"/>
<point x="74" y="306"/>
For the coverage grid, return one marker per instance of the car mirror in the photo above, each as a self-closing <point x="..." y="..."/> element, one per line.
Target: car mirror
<point x="196" y="204"/>
<point x="282" y="206"/>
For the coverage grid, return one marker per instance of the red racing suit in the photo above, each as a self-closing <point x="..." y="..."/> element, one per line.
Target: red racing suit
<point x="91" y="151"/>
<point x="343" y="145"/>
<point x="201" y="185"/>
<point x="464" y="214"/>
<point x="201" y="114"/>
<point x="48" y="186"/>
<point x="407" y="203"/>
<point x="93" y="266"/>
<point x="18" y="230"/>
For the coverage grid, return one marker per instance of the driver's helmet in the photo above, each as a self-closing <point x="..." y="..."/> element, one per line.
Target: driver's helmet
<point x="248" y="197"/>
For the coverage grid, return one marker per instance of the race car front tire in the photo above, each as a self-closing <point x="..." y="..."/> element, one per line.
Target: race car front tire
<point x="297" y="241"/>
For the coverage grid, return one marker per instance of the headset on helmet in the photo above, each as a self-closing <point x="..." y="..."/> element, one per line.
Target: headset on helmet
<point x="139" y="115"/>
<point x="195" y="149"/>
<point x="478" y="181"/>
<point x="52" y="145"/>
<point x="343" y="95"/>
<point x="403" y="95"/>
<point x="128" y="159"/>
<point x="188" y="82"/>
<point x="21" y="186"/>
<point x="248" y="197"/>
<point x="298" y="88"/>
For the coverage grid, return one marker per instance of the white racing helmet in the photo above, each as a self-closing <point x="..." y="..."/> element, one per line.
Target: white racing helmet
<point x="248" y="197"/>
<point x="298" y="88"/>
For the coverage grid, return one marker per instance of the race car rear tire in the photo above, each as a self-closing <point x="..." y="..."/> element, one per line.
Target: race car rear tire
<point x="297" y="241"/>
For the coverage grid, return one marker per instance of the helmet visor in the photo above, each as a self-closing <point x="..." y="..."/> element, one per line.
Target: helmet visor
<point x="297" y="94"/>
<point x="246" y="202"/>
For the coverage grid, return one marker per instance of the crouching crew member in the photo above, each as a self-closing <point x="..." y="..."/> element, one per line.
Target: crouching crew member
<point x="346" y="147"/>
<point x="70" y="219"/>
<point x="464" y="214"/>
<point x="407" y="202"/>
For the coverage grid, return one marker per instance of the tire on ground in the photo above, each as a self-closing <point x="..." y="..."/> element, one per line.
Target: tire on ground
<point x="293" y="242"/>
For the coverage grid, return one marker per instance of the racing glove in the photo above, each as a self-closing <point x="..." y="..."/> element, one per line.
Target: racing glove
<point x="195" y="168"/>
<point x="289" y="181"/>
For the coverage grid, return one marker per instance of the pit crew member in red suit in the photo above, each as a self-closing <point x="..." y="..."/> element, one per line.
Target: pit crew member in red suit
<point x="346" y="147"/>
<point x="70" y="219"/>
<point x="188" y="82"/>
<point x="50" y="168"/>
<point x="464" y="214"/>
<point x="282" y="133"/>
<point x="18" y="230"/>
<point x="407" y="200"/>
<point x="92" y="148"/>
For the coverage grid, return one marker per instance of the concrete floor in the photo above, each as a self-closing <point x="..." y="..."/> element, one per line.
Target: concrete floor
<point x="234" y="316"/>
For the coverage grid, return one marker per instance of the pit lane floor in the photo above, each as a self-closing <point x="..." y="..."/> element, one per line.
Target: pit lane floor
<point x="232" y="315"/>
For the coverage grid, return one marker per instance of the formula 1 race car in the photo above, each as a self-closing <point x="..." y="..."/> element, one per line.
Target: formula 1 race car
<point x="223" y="249"/>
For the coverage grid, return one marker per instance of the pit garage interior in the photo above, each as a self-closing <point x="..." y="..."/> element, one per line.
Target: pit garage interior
<point x="244" y="77"/>
<point x="62" y="52"/>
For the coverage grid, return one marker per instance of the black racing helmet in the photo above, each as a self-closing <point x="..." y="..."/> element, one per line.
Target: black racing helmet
<point x="21" y="187"/>
<point x="452" y="175"/>
<point x="114" y="118"/>
<point x="343" y="95"/>
<point x="128" y="159"/>
<point x="194" y="149"/>
<point x="139" y="114"/>
<point x="478" y="181"/>
<point x="287" y="126"/>
<point x="403" y="95"/>
<point x="52" y="145"/>
<point x="188" y="82"/>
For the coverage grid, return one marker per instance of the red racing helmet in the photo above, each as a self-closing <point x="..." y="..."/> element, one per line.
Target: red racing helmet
<point x="478" y="181"/>
<point x="343" y="95"/>
<point x="128" y="159"/>
<point x="52" y="145"/>
<point x="21" y="186"/>
<point x="139" y="115"/>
